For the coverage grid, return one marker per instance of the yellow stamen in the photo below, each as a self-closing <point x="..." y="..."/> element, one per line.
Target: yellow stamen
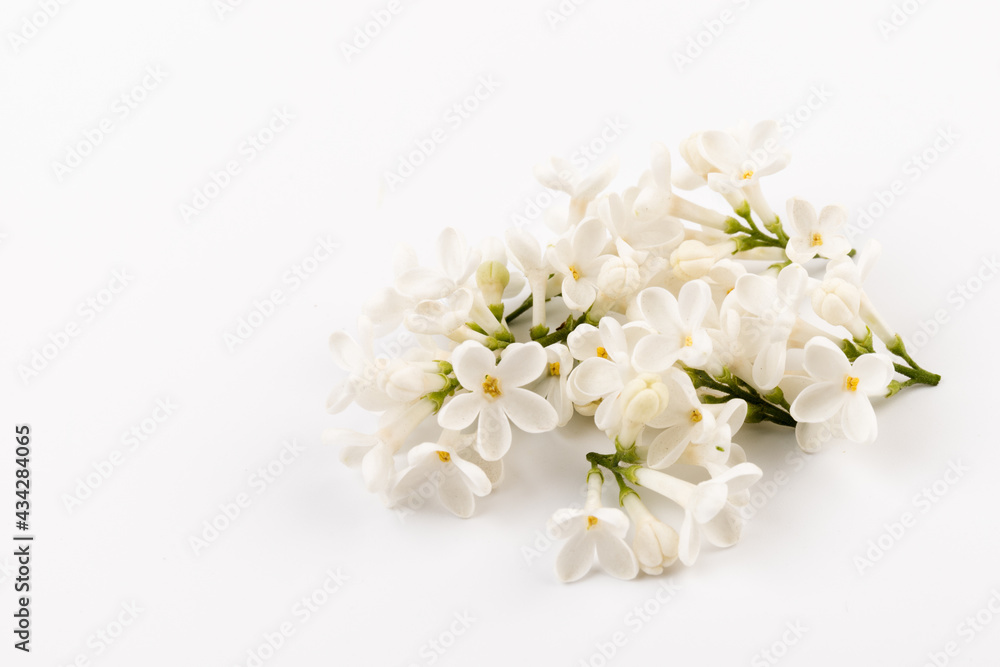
<point x="491" y="386"/>
<point x="817" y="240"/>
<point x="575" y="271"/>
<point x="688" y="341"/>
<point x="696" y="416"/>
<point x="748" y="174"/>
<point x="554" y="369"/>
<point x="444" y="456"/>
<point x="851" y="384"/>
<point x="602" y="353"/>
<point x="591" y="522"/>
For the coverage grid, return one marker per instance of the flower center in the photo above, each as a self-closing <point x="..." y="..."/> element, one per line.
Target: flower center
<point x="817" y="240"/>
<point x="851" y="383"/>
<point x="575" y="271"/>
<point x="748" y="174"/>
<point x="602" y="353"/>
<point x="554" y="369"/>
<point x="491" y="386"/>
<point x="444" y="456"/>
<point x="696" y="416"/>
<point x="688" y="341"/>
<point x="591" y="522"/>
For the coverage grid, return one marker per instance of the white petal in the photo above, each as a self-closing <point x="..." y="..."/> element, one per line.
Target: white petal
<point x="660" y="309"/>
<point x="576" y="557"/>
<point x="595" y="378"/>
<point x="693" y="302"/>
<point x="721" y="149"/>
<point x="825" y="361"/>
<point x="660" y="168"/>
<point x="475" y="478"/>
<point x="493" y="432"/>
<point x="530" y="412"/>
<point x="578" y="294"/>
<point x="520" y="364"/>
<point x="801" y="217"/>
<point x="456" y="495"/>
<point x="346" y="352"/>
<point x="859" y="424"/>
<point x="874" y="371"/>
<point x="460" y="411"/>
<point x="656" y="353"/>
<point x="725" y="528"/>
<point x="668" y="446"/>
<point x="616" y="556"/>
<point x="472" y="362"/>
<point x="690" y="541"/>
<point x="818" y="402"/>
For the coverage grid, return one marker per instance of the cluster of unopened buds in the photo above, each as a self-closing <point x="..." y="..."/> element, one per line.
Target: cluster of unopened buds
<point x="669" y="323"/>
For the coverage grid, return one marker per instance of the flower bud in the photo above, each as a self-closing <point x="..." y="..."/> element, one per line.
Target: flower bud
<point x="837" y="301"/>
<point x="492" y="279"/>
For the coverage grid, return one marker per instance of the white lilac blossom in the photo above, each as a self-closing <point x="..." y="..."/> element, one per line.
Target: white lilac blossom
<point x="496" y="395"/>
<point x="593" y="533"/>
<point x="669" y="324"/>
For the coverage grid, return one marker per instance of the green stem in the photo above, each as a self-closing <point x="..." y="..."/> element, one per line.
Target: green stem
<point x="524" y="307"/>
<point x="731" y="386"/>
<point x="917" y="375"/>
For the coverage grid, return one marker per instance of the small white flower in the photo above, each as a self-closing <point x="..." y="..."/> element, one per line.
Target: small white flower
<point x="708" y="511"/>
<point x="593" y="532"/>
<point x="842" y="389"/>
<point x="693" y="259"/>
<point x="811" y="235"/>
<point x="659" y="235"/>
<point x="655" y="542"/>
<point x="359" y="360"/>
<point x="560" y="174"/>
<point x="774" y="305"/>
<point x="687" y="419"/>
<point x="554" y="383"/>
<point x="606" y="374"/>
<point x="741" y="158"/>
<point x="678" y="323"/>
<point x="459" y="481"/>
<point x="579" y="259"/>
<point x="456" y="264"/>
<point x="496" y="395"/>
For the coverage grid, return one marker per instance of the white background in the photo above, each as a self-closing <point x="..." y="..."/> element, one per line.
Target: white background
<point x="877" y="101"/>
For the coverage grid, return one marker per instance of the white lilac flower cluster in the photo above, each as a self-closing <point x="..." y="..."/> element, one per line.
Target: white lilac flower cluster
<point x="669" y="323"/>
